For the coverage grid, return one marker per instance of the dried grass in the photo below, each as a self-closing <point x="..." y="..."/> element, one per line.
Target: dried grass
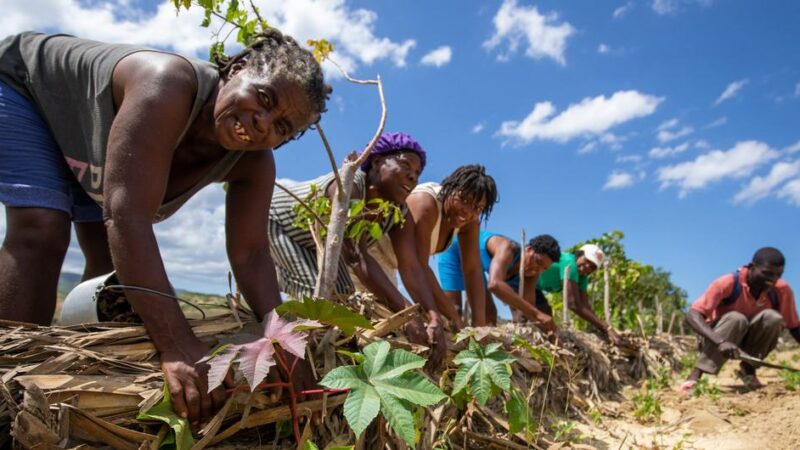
<point x="62" y="387"/>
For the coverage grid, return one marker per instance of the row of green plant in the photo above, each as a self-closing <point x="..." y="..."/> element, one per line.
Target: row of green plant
<point x="381" y="380"/>
<point x="635" y="287"/>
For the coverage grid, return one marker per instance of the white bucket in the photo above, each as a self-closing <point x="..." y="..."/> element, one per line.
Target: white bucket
<point x="80" y="305"/>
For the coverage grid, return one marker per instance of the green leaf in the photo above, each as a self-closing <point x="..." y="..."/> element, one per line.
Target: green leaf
<point x="310" y="446"/>
<point x="538" y="353"/>
<point x="181" y="434"/>
<point x="327" y="313"/>
<point x="390" y="378"/>
<point x="206" y="19"/>
<point x="412" y="387"/>
<point x="519" y="415"/>
<point x="361" y="408"/>
<point x="481" y="384"/>
<point x="399" y="417"/>
<point x="375" y="231"/>
<point x="375" y="355"/>
<point x="401" y="361"/>
<point x="463" y="375"/>
<point x="356" y="357"/>
<point x="484" y="370"/>
<point x="356" y="207"/>
<point x="321" y="49"/>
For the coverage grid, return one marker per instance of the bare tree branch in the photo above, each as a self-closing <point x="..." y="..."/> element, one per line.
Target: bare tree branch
<point x="330" y="156"/>
<point x="334" y="240"/>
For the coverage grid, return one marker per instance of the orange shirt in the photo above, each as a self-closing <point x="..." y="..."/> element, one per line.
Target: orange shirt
<point x="709" y="304"/>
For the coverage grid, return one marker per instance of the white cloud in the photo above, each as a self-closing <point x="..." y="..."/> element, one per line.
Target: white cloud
<point x="192" y="242"/>
<point x="794" y="148"/>
<point x="718" y="123"/>
<point x="629" y="159"/>
<point x="731" y="90"/>
<point x="619" y="180"/>
<point x="702" y="144"/>
<point x="438" y="57"/>
<point x="478" y="128"/>
<point x="590" y="117"/>
<point x="612" y="140"/>
<point x="760" y="187"/>
<point x="737" y="162"/>
<point x="622" y="10"/>
<point x="603" y="49"/>
<point x="352" y="31"/>
<point x="669" y="135"/>
<point x="791" y="192"/>
<point x="664" y="152"/>
<point x="542" y="34"/>
<point x="588" y="147"/>
<point x="664" y="7"/>
<point x="668" y="124"/>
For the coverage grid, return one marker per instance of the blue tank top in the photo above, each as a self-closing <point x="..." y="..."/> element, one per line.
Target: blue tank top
<point x="452" y="256"/>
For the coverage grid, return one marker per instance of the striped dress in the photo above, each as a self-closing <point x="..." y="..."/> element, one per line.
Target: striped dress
<point x="293" y="249"/>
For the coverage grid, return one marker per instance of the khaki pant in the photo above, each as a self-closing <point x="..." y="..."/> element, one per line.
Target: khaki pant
<point x="755" y="337"/>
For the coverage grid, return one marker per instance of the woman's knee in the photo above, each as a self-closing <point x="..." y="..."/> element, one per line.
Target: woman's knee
<point x="37" y="232"/>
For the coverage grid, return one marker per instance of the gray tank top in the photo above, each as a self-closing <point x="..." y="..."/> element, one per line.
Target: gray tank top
<point x="69" y="81"/>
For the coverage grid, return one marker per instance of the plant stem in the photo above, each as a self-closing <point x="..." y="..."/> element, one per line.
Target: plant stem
<point x="292" y="394"/>
<point x="330" y="157"/>
<point x="324" y="391"/>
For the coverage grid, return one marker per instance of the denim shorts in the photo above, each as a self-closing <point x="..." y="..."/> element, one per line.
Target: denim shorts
<point x="33" y="171"/>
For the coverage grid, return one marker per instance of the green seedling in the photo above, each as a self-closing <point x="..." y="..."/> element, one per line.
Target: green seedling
<point x="705" y="387"/>
<point x="791" y="380"/>
<point x="647" y="406"/>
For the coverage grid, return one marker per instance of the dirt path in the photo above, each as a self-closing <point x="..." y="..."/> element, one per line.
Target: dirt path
<point x="732" y="419"/>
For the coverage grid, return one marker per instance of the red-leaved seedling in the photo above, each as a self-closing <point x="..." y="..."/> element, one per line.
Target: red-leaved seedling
<point x="255" y="358"/>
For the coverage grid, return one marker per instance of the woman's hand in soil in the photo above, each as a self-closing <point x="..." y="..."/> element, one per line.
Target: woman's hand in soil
<point x="188" y="381"/>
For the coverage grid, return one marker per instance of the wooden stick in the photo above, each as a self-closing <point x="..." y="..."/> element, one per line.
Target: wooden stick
<point x="672" y="321"/>
<point x="515" y="314"/>
<point x="565" y="296"/>
<point x="521" y="289"/>
<point x="276" y="414"/>
<point x="606" y="293"/>
<point x="659" y="317"/>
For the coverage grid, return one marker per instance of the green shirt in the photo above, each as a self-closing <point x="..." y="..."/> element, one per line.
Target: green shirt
<point x="552" y="279"/>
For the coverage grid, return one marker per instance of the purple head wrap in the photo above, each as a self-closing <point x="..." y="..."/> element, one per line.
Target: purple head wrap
<point x="392" y="142"/>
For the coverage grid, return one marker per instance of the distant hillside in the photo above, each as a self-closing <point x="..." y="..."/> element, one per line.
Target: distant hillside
<point x="67" y="281"/>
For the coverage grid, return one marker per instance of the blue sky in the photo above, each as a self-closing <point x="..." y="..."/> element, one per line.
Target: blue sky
<point x="675" y="121"/>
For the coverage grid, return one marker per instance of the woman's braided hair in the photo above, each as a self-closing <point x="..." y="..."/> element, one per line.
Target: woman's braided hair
<point x="279" y="55"/>
<point x="472" y="183"/>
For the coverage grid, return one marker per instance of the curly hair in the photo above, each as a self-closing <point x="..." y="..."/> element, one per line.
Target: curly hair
<point x="546" y="245"/>
<point x="279" y="55"/>
<point x="472" y="182"/>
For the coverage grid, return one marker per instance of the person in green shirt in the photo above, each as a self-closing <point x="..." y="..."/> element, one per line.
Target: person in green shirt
<point x="582" y="263"/>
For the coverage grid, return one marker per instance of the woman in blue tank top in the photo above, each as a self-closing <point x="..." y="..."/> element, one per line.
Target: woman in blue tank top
<point x="500" y="258"/>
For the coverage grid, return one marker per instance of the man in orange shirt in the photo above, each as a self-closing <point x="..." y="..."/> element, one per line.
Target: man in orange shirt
<point x="743" y="312"/>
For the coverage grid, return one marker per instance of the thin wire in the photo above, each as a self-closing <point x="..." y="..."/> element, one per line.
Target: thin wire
<point x="153" y="291"/>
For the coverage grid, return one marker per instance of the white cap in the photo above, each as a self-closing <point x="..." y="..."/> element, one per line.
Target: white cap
<point x="593" y="254"/>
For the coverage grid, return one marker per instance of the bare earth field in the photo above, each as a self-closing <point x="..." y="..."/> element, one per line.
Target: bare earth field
<point x="733" y="419"/>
